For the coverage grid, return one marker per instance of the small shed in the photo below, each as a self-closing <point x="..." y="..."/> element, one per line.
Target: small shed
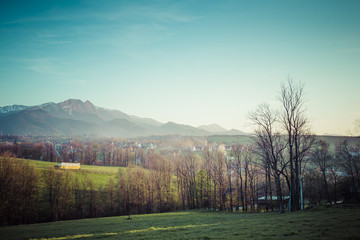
<point x="65" y="165"/>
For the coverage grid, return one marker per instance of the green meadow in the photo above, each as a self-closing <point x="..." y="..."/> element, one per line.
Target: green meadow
<point x="317" y="223"/>
<point x="99" y="174"/>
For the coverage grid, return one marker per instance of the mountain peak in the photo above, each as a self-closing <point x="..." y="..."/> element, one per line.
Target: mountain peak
<point x="71" y="101"/>
<point x="77" y="105"/>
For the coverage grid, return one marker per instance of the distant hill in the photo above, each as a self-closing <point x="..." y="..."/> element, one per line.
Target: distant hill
<point x="174" y="128"/>
<point x="235" y="132"/>
<point x="215" y="128"/>
<point x="74" y="117"/>
<point x="218" y="130"/>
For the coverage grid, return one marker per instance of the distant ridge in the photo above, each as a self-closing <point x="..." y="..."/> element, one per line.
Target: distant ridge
<point x="218" y="130"/>
<point x="215" y="128"/>
<point x="74" y="117"/>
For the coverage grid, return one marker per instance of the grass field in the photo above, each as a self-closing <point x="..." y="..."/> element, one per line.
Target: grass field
<point x="319" y="223"/>
<point x="99" y="174"/>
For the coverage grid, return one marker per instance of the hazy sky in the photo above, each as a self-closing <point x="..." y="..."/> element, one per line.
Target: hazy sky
<point x="191" y="62"/>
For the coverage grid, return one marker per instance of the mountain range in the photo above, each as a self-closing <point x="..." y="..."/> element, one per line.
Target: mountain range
<point x="74" y="117"/>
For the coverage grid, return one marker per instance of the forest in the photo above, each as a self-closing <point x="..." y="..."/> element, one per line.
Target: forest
<point x="284" y="167"/>
<point x="230" y="179"/>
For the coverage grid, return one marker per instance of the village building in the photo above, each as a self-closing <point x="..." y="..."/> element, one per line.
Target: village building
<point x="65" y="165"/>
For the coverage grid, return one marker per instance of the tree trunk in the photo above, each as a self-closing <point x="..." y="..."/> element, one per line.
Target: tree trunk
<point x="292" y="177"/>
<point x="245" y="192"/>
<point x="326" y="188"/>
<point x="231" y="200"/>
<point x="279" y="193"/>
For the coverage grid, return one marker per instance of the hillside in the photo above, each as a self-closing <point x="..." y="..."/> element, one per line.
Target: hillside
<point x="99" y="174"/>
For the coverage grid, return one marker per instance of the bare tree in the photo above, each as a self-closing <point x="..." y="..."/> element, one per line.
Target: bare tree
<point x="19" y="191"/>
<point x="208" y="159"/>
<point x="294" y="123"/>
<point x="322" y="160"/>
<point x="209" y="162"/>
<point x="110" y="195"/>
<point x="269" y="143"/>
<point x="236" y="153"/>
<point x="251" y="175"/>
<point x="229" y="169"/>
<point x="349" y="162"/>
<point x="357" y="126"/>
<point x="61" y="195"/>
<point x="186" y="168"/>
<point x="202" y="188"/>
<point x="306" y="144"/>
<point x="335" y="174"/>
<point x="219" y="170"/>
<point x="355" y="131"/>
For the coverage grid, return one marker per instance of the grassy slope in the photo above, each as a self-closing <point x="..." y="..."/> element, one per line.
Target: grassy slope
<point x="99" y="174"/>
<point x="331" y="223"/>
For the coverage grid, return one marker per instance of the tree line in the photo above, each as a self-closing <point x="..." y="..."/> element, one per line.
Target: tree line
<point x="89" y="152"/>
<point x="214" y="179"/>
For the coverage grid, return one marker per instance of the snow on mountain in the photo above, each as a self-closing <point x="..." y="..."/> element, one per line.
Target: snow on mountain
<point x="12" y="109"/>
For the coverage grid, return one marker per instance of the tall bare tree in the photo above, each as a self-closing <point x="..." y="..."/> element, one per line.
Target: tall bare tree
<point x="209" y="161"/>
<point x="236" y="153"/>
<point x="269" y="143"/>
<point x="306" y="145"/>
<point x="218" y="169"/>
<point x="322" y="160"/>
<point x="229" y="172"/>
<point x="333" y="167"/>
<point x="294" y="123"/>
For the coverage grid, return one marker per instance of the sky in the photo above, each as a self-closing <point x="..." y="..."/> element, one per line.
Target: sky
<point x="190" y="62"/>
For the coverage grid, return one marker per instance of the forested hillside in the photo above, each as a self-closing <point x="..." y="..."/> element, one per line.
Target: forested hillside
<point x="161" y="174"/>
